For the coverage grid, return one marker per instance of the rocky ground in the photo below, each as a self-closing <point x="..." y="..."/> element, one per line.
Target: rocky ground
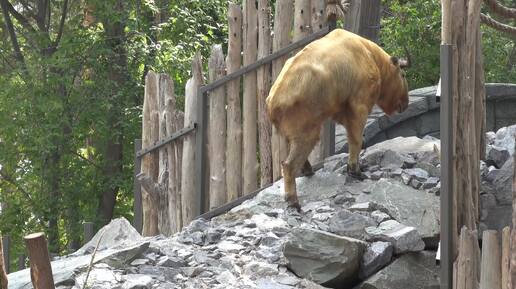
<point x="378" y="233"/>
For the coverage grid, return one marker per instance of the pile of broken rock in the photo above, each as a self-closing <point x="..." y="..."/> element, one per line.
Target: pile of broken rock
<point x="380" y="233"/>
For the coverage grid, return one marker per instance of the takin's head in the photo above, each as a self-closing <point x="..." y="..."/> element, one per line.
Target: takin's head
<point x="394" y="91"/>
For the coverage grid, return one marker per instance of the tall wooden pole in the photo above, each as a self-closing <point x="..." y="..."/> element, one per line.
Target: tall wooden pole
<point x="234" y="125"/>
<point x="513" y="234"/>
<point x="190" y="202"/>
<point x="40" y="268"/>
<point x="263" y="86"/>
<point x="250" y="164"/>
<point x="3" y="275"/>
<point x="217" y="130"/>
<point x="283" y="20"/>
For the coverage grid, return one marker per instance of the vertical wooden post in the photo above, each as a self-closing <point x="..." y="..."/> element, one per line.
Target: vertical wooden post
<point x="512" y="277"/>
<point x="369" y="20"/>
<point x="234" y="124"/>
<point x="137" y="188"/>
<point x="506" y="258"/>
<point x="468" y="261"/>
<point x="490" y="273"/>
<point x="190" y="181"/>
<point x="302" y="19"/>
<point x="21" y="262"/>
<point x="89" y="231"/>
<point x="150" y="132"/>
<point x="6" y="240"/>
<point x="250" y="165"/>
<point x="40" y="268"/>
<point x="170" y="165"/>
<point x="283" y="19"/>
<point x="3" y="275"/>
<point x="217" y="130"/>
<point x="318" y="16"/>
<point x="263" y="86"/>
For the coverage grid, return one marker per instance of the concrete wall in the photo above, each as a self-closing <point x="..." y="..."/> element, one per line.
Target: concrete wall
<point x="422" y="116"/>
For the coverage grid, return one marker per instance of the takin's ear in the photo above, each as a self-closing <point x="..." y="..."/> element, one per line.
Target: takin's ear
<point x="395" y="60"/>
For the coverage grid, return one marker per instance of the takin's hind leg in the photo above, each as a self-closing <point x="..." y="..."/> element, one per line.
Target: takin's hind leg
<point x="300" y="148"/>
<point x="354" y="121"/>
<point x="307" y="169"/>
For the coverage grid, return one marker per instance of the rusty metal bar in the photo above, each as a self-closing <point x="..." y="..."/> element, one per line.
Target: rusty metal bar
<point x="200" y="150"/>
<point x="137" y="189"/>
<point x="169" y="139"/>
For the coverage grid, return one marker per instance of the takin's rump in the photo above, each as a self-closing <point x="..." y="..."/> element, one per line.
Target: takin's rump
<point x="341" y="77"/>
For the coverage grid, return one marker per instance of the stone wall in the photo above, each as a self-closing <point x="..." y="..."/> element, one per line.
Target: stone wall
<point x="422" y="116"/>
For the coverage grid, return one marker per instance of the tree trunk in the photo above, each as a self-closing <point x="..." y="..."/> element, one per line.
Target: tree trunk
<point x="234" y="125"/>
<point x="283" y="19"/>
<point x="150" y="161"/>
<point x="263" y="86"/>
<point x="250" y="165"/>
<point x="189" y="198"/>
<point x="217" y="130"/>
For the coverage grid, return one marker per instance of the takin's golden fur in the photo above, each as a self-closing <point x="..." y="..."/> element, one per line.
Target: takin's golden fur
<point x="340" y="76"/>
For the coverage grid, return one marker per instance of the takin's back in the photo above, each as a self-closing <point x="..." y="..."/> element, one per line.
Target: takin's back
<point x="324" y="74"/>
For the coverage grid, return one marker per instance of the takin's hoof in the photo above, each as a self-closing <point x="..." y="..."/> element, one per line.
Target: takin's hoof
<point x="359" y="175"/>
<point x="294" y="205"/>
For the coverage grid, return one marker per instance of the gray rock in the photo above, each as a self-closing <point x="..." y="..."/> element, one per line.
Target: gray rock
<point x="502" y="183"/>
<point x="271" y="284"/>
<point x="380" y="216"/>
<point x="230" y="247"/>
<point x="350" y="224"/>
<point x="335" y="163"/>
<point x="505" y="138"/>
<point x="377" y="255"/>
<point x="430" y="183"/>
<point x="172" y="262"/>
<point x="417" y="173"/>
<point x="226" y="278"/>
<point x="322" y="257"/>
<point x="344" y="198"/>
<point x="139" y="262"/>
<point x="498" y="155"/>
<point x="137" y="281"/>
<point x="213" y="236"/>
<point x="403" y="238"/>
<point x="257" y="269"/>
<point x="413" y="270"/>
<point x="394" y="159"/>
<point x="363" y="207"/>
<point x="118" y="233"/>
<point x="405" y="204"/>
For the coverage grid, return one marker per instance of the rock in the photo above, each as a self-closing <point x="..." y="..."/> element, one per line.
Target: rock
<point x="413" y="270"/>
<point x="100" y="277"/>
<point x="213" y="236"/>
<point x="335" y="163"/>
<point x="343" y="198"/>
<point x="118" y="233"/>
<point x="505" y="138"/>
<point x="393" y="159"/>
<point x="502" y="183"/>
<point x="417" y="173"/>
<point x="350" y="224"/>
<point x="139" y="262"/>
<point x="137" y="281"/>
<point x="226" y="278"/>
<point x="377" y="255"/>
<point x="270" y="284"/>
<point x="403" y="238"/>
<point x="269" y="240"/>
<point x="258" y="269"/>
<point x="376" y="175"/>
<point x="406" y="205"/>
<point x="416" y="184"/>
<point x="498" y="155"/>
<point x="380" y="216"/>
<point x="322" y="257"/>
<point x="430" y="183"/>
<point x="363" y="207"/>
<point x="230" y="247"/>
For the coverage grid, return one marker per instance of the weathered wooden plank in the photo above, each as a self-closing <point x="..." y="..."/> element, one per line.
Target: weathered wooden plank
<point x="234" y="110"/>
<point x="506" y="258"/>
<point x="3" y="275"/>
<point x="217" y="130"/>
<point x="283" y="21"/>
<point x="263" y="86"/>
<point x="250" y="164"/>
<point x="189" y="202"/>
<point x="490" y="276"/>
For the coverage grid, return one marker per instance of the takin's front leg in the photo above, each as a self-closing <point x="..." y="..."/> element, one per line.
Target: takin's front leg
<point x="354" y="121"/>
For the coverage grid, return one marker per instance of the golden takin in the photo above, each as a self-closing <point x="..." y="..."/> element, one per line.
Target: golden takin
<point x="340" y="76"/>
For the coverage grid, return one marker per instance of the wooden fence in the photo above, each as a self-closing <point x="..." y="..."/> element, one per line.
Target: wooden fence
<point x="227" y="148"/>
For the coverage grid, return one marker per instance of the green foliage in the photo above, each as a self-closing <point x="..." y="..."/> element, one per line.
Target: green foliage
<point x="414" y="28"/>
